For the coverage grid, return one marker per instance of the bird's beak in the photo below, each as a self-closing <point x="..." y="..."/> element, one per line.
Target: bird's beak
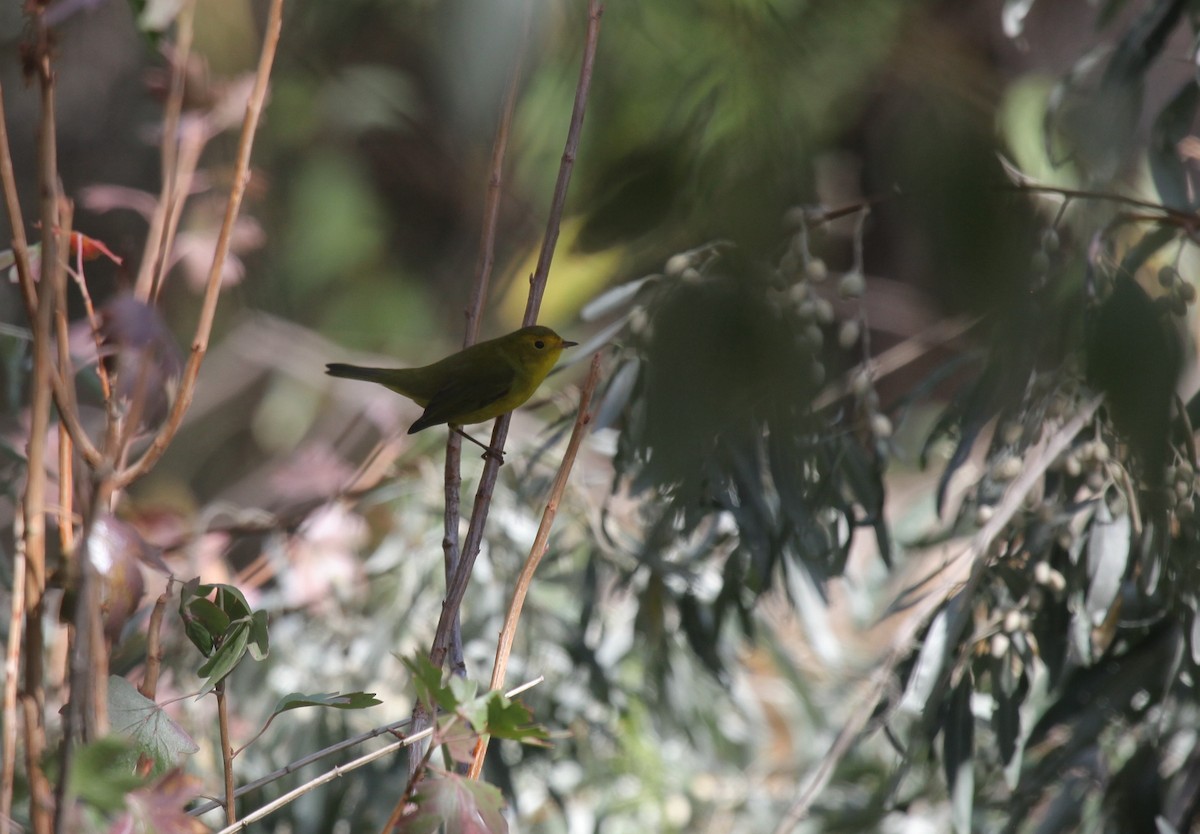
<point x="567" y="344"/>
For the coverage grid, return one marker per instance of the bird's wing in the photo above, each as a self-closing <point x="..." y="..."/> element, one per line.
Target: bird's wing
<point x="466" y="395"/>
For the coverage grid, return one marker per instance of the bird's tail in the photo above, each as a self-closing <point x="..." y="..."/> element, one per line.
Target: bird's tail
<point x="380" y="375"/>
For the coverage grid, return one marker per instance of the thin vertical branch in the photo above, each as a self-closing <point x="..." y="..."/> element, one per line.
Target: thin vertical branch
<point x="12" y="673"/>
<point x="66" y="481"/>
<point x="193" y="137"/>
<point x="504" y="645"/>
<point x="28" y="287"/>
<point x="12" y="203"/>
<point x="213" y="288"/>
<point x="487" y="483"/>
<point x="154" y="652"/>
<point x="495" y="187"/>
<point x="226" y="754"/>
<point x="41" y="798"/>
<point x="212" y="291"/>
<point x="474" y="314"/>
<point x="156" y="251"/>
<point x="537" y="283"/>
<point x="39" y="420"/>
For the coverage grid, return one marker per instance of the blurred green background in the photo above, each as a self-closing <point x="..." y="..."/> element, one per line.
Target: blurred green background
<point x="685" y="703"/>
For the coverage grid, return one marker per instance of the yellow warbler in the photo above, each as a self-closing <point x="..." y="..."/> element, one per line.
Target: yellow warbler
<point x="475" y="384"/>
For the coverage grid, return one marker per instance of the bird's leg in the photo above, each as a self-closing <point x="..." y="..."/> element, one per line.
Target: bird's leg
<point x="488" y="451"/>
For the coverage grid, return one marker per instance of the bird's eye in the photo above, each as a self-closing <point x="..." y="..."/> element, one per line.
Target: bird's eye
<point x="539" y="344"/>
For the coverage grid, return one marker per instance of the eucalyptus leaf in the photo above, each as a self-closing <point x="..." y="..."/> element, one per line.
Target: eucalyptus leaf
<point x="930" y="661"/>
<point x="958" y="746"/>
<point x="1108" y="555"/>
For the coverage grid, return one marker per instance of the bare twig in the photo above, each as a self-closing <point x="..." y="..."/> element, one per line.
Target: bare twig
<point x="12" y="673"/>
<point x="12" y="655"/>
<point x="495" y="188"/>
<point x="537" y="283"/>
<point x="474" y="313"/>
<point x="324" y="778"/>
<point x="504" y="645"/>
<point x="292" y="767"/>
<point x="192" y="139"/>
<point x="41" y="797"/>
<point x="66" y="528"/>
<point x="334" y="773"/>
<point x="157" y="249"/>
<point x="226" y="754"/>
<point x="154" y="654"/>
<point x="487" y="482"/>
<point x="35" y="483"/>
<point x="97" y="336"/>
<point x="241" y="177"/>
<point x="1036" y="463"/>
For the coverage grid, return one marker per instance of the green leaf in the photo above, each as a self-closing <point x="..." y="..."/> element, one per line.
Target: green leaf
<point x="200" y="636"/>
<point x="470" y="707"/>
<point x="428" y="679"/>
<point x="203" y="622"/>
<point x="135" y="716"/>
<point x="203" y="614"/>
<point x="508" y="719"/>
<point x="334" y="700"/>
<point x="232" y="601"/>
<point x="259" y="642"/>
<point x="226" y="658"/>
<point x="101" y="774"/>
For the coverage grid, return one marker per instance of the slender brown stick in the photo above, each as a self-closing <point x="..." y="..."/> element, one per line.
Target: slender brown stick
<point x="66" y="487"/>
<point x="537" y="283"/>
<point x="156" y="252"/>
<point x="341" y="770"/>
<point x="212" y="292"/>
<point x="226" y="754"/>
<point x="12" y="673"/>
<point x="27" y="283"/>
<point x="504" y="645"/>
<point x="41" y="797"/>
<point x="474" y="313"/>
<point x="97" y="336"/>
<point x="301" y="762"/>
<point x="12" y="203"/>
<point x="63" y="375"/>
<point x="487" y="482"/>
<point x="495" y="188"/>
<point x="35" y="485"/>
<point x="154" y="654"/>
<point x="12" y="654"/>
<point x="193" y="137"/>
